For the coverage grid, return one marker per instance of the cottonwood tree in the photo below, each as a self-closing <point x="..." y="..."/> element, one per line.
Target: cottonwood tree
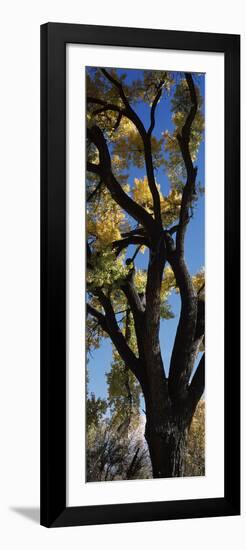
<point x="125" y="218"/>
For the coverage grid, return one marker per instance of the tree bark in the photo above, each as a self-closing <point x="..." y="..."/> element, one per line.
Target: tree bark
<point x="166" y="437"/>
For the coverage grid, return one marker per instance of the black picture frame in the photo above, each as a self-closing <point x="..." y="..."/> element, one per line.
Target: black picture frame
<point x="54" y="37"/>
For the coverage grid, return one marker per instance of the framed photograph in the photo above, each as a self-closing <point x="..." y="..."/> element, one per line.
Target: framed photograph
<point x="140" y="204"/>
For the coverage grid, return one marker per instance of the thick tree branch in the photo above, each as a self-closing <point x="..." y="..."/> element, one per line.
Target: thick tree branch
<point x="117" y="193"/>
<point x="157" y="258"/>
<point x="191" y="327"/>
<point x="117" y="84"/>
<point x="137" y="231"/>
<point x="153" y="107"/>
<point x="105" y="105"/>
<point x="185" y="344"/>
<point x="120" y="244"/>
<point x="94" y="168"/>
<point x="151" y="179"/>
<point x="189" y="188"/>
<point x="137" y="310"/>
<point x="193" y="110"/>
<point x="98" y="315"/>
<point x="146" y="138"/>
<point x="133" y="363"/>
<point x="128" y="111"/>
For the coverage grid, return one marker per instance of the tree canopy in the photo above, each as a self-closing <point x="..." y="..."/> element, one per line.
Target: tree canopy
<point x="136" y="233"/>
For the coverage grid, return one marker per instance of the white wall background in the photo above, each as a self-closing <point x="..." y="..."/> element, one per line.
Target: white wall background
<point x="19" y="288"/>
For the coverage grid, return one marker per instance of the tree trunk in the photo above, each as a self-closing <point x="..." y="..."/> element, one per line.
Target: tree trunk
<point x="167" y="440"/>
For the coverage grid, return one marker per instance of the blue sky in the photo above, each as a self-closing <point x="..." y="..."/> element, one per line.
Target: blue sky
<point x="100" y="359"/>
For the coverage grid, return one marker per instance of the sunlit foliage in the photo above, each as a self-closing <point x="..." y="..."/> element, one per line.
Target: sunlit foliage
<point x="195" y="455"/>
